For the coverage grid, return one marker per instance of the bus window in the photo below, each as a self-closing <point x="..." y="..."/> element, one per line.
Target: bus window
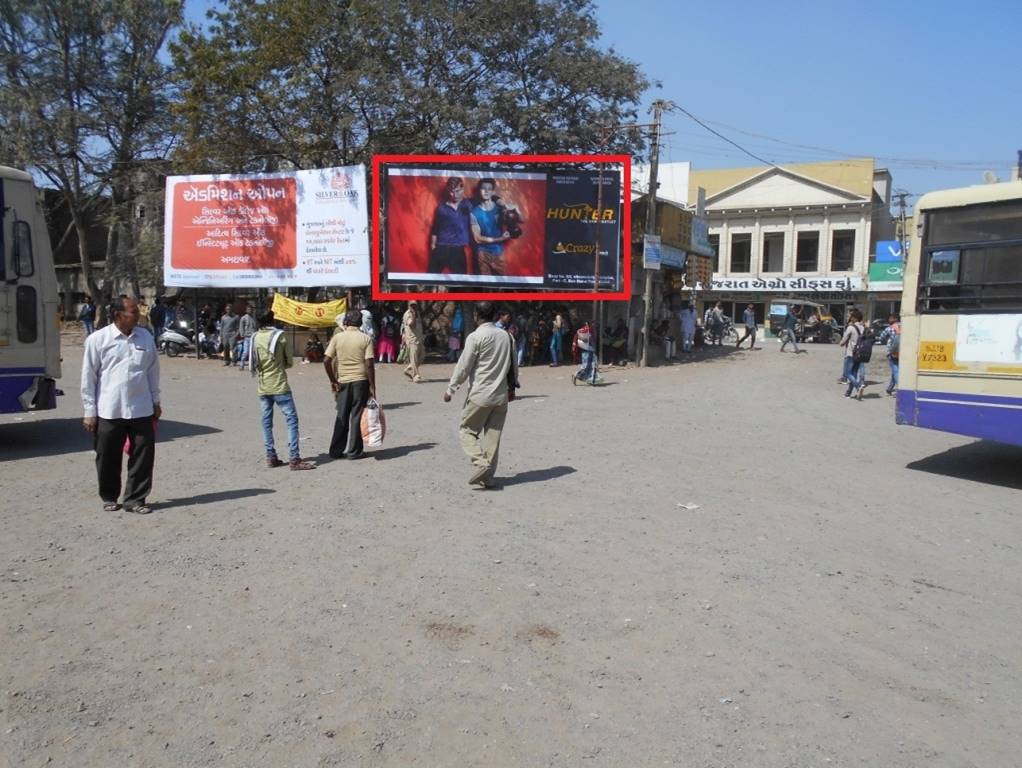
<point x="22" y="251"/>
<point x="28" y="317"/>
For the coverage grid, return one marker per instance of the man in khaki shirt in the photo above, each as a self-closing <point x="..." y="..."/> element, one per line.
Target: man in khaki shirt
<point x="488" y="363"/>
<point x="413" y="340"/>
<point x="348" y="362"/>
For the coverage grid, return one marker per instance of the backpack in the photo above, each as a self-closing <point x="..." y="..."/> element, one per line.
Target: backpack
<point x="863" y="349"/>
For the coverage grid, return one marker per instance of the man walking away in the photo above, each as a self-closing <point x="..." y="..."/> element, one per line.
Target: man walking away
<point x="891" y="336"/>
<point x="488" y="363"/>
<point x="856" y="375"/>
<point x="349" y="366"/>
<point x="413" y="340"/>
<point x="229" y="324"/>
<point x="121" y="397"/>
<point x="271" y="357"/>
<point x="749" y="318"/>
<point x="246" y="328"/>
<point x="688" y="328"/>
<point x="790" y="324"/>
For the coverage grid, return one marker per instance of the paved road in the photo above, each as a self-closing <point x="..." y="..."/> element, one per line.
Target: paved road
<point x="846" y="593"/>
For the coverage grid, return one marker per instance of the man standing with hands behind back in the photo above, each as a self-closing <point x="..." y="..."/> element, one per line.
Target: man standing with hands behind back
<point x="121" y="399"/>
<point x="488" y="363"/>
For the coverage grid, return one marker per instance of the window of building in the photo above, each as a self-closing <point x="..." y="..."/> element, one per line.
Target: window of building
<point x="741" y="252"/>
<point x="715" y="245"/>
<point x="807" y="252"/>
<point x="773" y="252"/>
<point x="842" y="250"/>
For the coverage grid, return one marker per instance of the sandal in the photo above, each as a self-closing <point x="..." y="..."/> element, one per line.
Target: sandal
<point x="139" y="509"/>
<point x="111" y="506"/>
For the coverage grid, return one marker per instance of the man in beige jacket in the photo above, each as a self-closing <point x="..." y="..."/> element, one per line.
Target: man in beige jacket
<point x="488" y="363"/>
<point x="412" y="324"/>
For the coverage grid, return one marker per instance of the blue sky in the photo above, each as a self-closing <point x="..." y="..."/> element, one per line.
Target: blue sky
<point x="904" y="82"/>
<point x="899" y="81"/>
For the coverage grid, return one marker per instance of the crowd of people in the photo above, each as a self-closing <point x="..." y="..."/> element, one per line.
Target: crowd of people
<point x="121" y="397"/>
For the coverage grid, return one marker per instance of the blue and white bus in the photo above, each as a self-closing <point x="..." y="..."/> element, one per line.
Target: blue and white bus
<point x="29" y="327"/>
<point x="961" y="344"/>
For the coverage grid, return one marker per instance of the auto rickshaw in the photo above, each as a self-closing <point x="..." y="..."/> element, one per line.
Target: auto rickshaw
<point x="813" y="321"/>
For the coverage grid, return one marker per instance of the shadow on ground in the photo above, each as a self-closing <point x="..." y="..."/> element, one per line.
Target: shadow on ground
<point x="34" y="437"/>
<point x="982" y="462"/>
<point x="537" y="475"/>
<point x="212" y="498"/>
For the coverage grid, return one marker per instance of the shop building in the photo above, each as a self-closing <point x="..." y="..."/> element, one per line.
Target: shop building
<point x="798" y="231"/>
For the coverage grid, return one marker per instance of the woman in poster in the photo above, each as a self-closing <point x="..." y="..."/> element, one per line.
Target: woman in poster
<point x="448" y="238"/>
<point x="488" y="230"/>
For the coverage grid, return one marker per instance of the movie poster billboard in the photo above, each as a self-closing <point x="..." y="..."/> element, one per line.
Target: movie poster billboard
<point x="534" y="229"/>
<point x="293" y="228"/>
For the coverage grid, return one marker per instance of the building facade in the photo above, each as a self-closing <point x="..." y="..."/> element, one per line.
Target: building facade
<point x="800" y="231"/>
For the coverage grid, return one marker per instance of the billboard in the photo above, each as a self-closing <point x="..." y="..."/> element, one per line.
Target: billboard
<point x="294" y="228"/>
<point x="542" y="226"/>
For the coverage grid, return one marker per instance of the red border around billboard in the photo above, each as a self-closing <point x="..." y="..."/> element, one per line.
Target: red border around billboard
<point x="624" y="294"/>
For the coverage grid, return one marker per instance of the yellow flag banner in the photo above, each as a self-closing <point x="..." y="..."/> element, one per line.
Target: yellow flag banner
<point x="305" y="314"/>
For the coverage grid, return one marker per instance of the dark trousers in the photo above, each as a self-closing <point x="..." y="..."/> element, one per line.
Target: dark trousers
<point x="750" y="330"/>
<point x="451" y="257"/>
<point x="109" y="443"/>
<point x="351" y="401"/>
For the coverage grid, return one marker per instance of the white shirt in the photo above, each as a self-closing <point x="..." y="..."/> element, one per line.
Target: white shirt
<point x="120" y="374"/>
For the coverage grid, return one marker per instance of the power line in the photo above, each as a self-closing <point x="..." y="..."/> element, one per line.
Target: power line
<point x="720" y="135"/>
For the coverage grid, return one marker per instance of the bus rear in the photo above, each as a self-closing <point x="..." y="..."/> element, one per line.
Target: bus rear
<point x="961" y="346"/>
<point x="29" y="328"/>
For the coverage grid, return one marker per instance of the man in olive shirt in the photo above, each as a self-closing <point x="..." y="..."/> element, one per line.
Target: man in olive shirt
<point x="271" y="357"/>
<point x="413" y="340"/>
<point x="488" y="363"/>
<point x="348" y="362"/>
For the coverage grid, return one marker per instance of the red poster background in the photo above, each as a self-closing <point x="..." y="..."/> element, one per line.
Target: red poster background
<point x="411" y="205"/>
<point x="186" y="234"/>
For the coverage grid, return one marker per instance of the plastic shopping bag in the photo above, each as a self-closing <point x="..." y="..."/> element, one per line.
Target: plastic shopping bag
<point x="374" y="424"/>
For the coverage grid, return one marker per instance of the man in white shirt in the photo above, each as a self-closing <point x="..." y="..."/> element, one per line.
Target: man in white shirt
<point x="488" y="363"/>
<point x="121" y="398"/>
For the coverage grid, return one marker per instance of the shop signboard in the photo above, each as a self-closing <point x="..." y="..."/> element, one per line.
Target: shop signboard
<point x="889" y="251"/>
<point x="672" y="257"/>
<point x="293" y="228"/>
<point x="886" y="276"/>
<point x="844" y="284"/>
<point x="651" y="257"/>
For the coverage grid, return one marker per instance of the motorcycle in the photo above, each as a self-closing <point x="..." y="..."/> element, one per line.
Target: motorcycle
<point x="176" y="339"/>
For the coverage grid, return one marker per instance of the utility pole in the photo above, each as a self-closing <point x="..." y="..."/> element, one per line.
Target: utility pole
<point x="647" y="294"/>
<point x="902" y="207"/>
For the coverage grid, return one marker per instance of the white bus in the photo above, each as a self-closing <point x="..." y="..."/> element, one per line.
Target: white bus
<point x="29" y="328"/>
<point x="961" y="344"/>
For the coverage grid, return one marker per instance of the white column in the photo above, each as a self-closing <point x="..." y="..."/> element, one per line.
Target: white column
<point x="757" y="247"/>
<point x="790" y="244"/>
<point x="826" y="241"/>
<point x="725" y="248"/>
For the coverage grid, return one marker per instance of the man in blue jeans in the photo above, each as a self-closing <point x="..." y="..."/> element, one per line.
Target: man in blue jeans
<point x="271" y="357"/>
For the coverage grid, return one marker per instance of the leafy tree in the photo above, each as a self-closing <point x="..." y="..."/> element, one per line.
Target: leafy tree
<point x="312" y="83"/>
<point x="83" y="102"/>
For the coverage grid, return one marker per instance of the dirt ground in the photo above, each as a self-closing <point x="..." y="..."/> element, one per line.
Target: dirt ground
<point x="846" y="593"/>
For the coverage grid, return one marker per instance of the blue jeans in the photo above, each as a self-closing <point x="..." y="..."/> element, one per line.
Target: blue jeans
<point x="287" y="407"/>
<point x="245" y="342"/>
<point x="856" y="377"/>
<point x="789" y="338"/>
<point x="87" y="324"/>
<point x="893" y="383"/>
<point x="846" y="368"/>
<point x="555" y="349"/>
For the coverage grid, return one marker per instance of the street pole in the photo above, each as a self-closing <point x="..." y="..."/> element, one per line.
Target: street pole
<point x="596" y="259"/>
<point x="647" y="294"/>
